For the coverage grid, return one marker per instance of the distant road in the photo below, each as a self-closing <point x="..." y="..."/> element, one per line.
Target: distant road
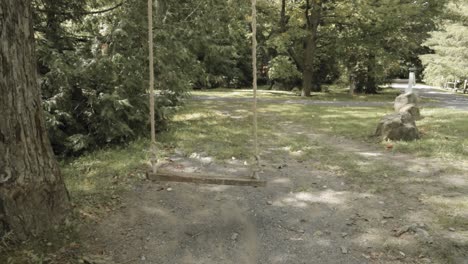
<point x="446" y="99"/>
<point x="442" y="98"/>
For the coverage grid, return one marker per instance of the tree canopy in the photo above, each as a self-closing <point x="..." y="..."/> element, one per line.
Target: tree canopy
<point x="449" y="45"/>
<point x="93" y="62"/>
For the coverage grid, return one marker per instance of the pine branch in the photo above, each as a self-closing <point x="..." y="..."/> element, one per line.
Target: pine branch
<point x="83" y="12"/>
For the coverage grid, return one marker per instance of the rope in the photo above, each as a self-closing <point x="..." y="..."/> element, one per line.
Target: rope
<point x="153" y="149"/>
<point x="256" y="167"/>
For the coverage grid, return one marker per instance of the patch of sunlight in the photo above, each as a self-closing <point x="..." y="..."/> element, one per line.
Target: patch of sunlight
<point x="120" y="165"/>
<point x="298" y="153"/>
<point x="323" y="242"/>
<point x="302" y="199"/>
<point x="236" y="117"/>
<point x="242" y="111"/>
<point x="92" y="173"/>
<point x="215" y="188"/>
<point x="365" y="195"/>
<point x="370" y="238"/>
<point x="155" y="211"/>
<point x="363" y="163"/>
<point x="190" y="116"/>
<point x="419" y="168"/>
<point x="282" y="181"/>
<point x="460" y="237"/>
<point x="286" y="148"/>
<point x="416" y="180"/>
<point x="370" y="154"/>
<point x="456" y="205"/>
<point x="86" y="164"/>
<point x="332" y="116"/>
<point x="421" y="216"/>
<point x="455" y="180"/>
<point x="85" y="185"/>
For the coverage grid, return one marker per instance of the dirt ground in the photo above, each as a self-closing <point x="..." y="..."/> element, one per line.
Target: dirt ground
<point x="306" y="214"/>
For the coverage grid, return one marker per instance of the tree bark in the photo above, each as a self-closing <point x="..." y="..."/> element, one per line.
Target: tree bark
<point x="312" y="23"/>
<point x="33" y="197"/>
<point x="352" y="83"/>
<point x="283" y="16"/>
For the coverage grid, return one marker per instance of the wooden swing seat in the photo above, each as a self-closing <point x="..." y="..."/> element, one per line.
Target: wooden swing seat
<point x="171" y="176"/>
<point x="162" y="175"/>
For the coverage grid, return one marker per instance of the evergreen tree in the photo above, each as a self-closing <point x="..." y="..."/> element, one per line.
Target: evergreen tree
<point x="449" y="60"/>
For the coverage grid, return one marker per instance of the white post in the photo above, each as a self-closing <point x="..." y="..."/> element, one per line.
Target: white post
<point x="411" y="81"/>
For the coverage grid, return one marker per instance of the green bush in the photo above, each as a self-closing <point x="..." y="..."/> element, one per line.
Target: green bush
<point x="283" y="70"/>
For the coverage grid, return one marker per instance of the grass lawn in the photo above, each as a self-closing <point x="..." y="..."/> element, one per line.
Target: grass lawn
<point x="223" y="130"/>
<point x="334" y="93"/>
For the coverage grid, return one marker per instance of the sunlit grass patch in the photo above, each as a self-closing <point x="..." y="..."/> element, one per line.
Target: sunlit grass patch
<point x="451" y="211"/>
<point x="101" y="173"/>
<point x="220" y="131"/>
<point x="352" y="122"/>
<point x="444" y="135"/>
<point x="331" y="93"/>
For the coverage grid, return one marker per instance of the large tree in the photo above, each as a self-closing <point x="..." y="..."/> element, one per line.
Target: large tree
<point x="33" y="197"/>
<point x="449" y="45"/>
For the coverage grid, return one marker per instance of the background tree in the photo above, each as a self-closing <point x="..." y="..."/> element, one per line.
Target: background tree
<point x="379" y="38"/>
<point x="33" y="197"/>
<point x="449" y="45"/>
<point x="370" y="40"/>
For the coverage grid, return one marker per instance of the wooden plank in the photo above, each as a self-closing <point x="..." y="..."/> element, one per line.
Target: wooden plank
<point x="204" y="179"/>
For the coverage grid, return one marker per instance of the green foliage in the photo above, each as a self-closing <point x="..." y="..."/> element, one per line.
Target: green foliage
<point x="378" y="39"/>
<point x="449" y="60"/>
<point x="372" y="40"/>
<point x="94" y="65"/>
<point x="94" y="68"/>
<point x="282" y="69"/>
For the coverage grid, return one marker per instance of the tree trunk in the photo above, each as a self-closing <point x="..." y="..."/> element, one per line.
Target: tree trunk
<point x="352" y="81"/>
<point x="33" y="197"/>
<point x="313" y="20"/>
<point x="371" y="83"/>
<point x="283" y="16"/>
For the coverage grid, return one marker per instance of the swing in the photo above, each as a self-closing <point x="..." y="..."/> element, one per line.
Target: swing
<point x="157" y="174"/>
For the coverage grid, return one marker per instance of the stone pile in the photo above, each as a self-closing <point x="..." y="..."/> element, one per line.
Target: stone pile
<point x="401" y="125"/>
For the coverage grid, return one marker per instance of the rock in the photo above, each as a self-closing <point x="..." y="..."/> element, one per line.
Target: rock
<point x="344" y="250"/>
<point x="269" y="202"/>
<point x="423" y="236"/>
<point x="405" y="99"/>
<point x="169" y="189"/>
<point x="234" y="236"/>
<point x="451" y="229"/>
<point x="413" y="110"/>
<point x="397" y="126"/>
<point x="195" y="155"/>
<point x="387" y="216"/>
<point x="418" y="229"/>
<point x="206" y="160"/>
